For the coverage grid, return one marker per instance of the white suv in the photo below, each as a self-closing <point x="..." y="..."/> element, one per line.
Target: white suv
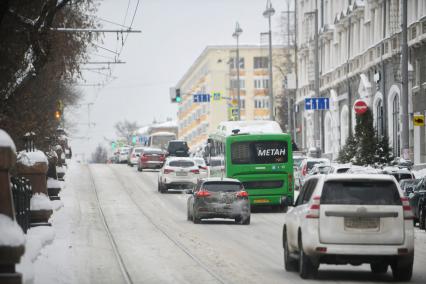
<point x="178" y="173"/>
<point x="350" y="219"/>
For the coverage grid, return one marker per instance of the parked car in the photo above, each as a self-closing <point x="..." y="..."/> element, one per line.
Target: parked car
<point x="339" y="168"/>
<point x="151" y="158"/>
<point x="422" y="213"/>
<point x="350" y="219"/>
<point x="134" y="155"/>
<point x="320" y="169"/>
<point x="408" y="185"/>
<point x="219" y="198"/>
<point x="177" y="148"/>
<point x="398" y="173"/>
<point x="178" y="173"/>
<point x="419" y="192"/>
<point x="307" y="165"/>
<point x="204" y="170"/>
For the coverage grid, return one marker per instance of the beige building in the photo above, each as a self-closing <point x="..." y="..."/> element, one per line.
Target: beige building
<point x="214" y="71"/>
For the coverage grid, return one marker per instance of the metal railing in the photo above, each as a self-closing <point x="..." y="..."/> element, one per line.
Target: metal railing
<point x="21" y="191"/>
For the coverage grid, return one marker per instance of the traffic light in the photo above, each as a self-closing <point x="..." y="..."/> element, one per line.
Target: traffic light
<point x="178" y="96"/>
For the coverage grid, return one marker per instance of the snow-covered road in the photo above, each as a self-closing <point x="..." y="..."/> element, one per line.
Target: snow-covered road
<point x="152" y="242"/>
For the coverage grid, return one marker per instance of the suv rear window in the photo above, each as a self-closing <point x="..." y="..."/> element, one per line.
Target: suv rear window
<point x="222" y="186"/>
<point x="182" y="164"/>
<point x="361" y="192"/>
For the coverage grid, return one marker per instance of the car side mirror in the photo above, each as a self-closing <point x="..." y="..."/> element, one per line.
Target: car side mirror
<point x="189" y="191"/>
<point x="138" y="155"/>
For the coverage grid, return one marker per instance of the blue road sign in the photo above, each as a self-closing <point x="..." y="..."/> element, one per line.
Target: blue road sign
<point x="201" y="98"/>
<point x="317" y="103"/>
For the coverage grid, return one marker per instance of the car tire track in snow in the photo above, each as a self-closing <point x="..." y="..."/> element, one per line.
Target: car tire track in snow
<point x="117" y="254"/>
<point x="168" y="236"/>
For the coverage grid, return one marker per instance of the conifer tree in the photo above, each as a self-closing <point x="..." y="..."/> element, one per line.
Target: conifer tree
<point x="366" y="136"/>
<point x="348" y="152"/>
<point x="383" y="151"/>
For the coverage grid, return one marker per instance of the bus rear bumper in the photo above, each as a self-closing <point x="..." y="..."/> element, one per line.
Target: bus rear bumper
<point x="271" y="200"/>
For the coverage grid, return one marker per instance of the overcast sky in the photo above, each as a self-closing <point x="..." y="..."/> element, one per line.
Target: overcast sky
<point x="174" y="33"/>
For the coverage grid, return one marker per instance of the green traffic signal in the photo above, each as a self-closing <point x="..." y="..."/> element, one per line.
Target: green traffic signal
<point x="178" y="99"/>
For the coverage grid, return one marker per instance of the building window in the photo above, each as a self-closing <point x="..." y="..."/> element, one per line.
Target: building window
<point x="395" y="126"/>
<point x="261" y="83"/>
<point x="344" y="125"/>
<point x="261" y="102"/>
<point x="260" y="62"/>
<point x="234" y="84"/>
<point x="379" y="118"/>
<point x="233" y="62"/>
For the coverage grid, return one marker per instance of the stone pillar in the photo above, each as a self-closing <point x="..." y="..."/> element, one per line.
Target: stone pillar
<point x="36" y="173"/>
<point x="9" y="255"/>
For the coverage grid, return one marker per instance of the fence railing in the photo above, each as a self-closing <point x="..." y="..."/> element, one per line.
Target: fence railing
<point x="21" y="192"/>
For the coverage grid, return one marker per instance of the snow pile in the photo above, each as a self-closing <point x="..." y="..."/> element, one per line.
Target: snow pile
<point x="57" y="204"/>
<point x="6" y="141"/>
<point x="37" y="238"/>
<point x="40" y="201"/>
<point x="11" y="234"/>
<point x="53" y="183"/>
<point x="253" y="126"/>
<point x="31" y="158"/>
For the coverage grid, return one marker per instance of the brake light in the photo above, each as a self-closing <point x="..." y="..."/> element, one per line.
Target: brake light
<point x="242" y="194"/>
<point x="144" y="157"/>
<point x="168" y="171"/>
<point x="162" y="158"/>
<point x="304" y="170"/>
<point x="313" y="212"/>
<point x="203" y="193"/>
<point x="197" y="172"/>
<point x="408" y="213"/>
<point x="290" y="182"/>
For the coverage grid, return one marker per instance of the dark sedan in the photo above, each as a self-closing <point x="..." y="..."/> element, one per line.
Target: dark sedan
<point x="219" y="198"/>
<point x="419" y="192"/>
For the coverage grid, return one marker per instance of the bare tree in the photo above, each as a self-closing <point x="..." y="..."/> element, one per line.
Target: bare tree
<point x="100" y="156"/>
<point x="126" y="128"/>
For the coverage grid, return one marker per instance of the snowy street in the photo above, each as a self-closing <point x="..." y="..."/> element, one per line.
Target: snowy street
<point x="147" y="239"/>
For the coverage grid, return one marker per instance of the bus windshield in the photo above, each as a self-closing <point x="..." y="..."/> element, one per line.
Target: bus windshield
<point x="161" y="141"/>
<point x="259" y="152"/>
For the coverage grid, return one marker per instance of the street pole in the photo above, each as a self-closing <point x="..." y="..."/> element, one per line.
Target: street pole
<point x="236" y="35"/>
<point x="268" y="13"/>
<point x="295" y="71"/>
<point x="404" y="78"/>
<point x="317" y="126"/>
<point x="289" y="116"/>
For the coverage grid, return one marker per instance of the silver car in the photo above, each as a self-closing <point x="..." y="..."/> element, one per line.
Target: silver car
<point x="219" y="198"/>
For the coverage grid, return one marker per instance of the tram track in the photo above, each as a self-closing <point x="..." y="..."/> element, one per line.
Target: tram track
<point x="176" y="242"/>
<point x="125" y="273"/>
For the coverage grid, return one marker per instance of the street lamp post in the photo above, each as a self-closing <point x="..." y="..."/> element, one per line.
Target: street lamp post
<point x="238" y="31"/>
<point x="268" y="13"/>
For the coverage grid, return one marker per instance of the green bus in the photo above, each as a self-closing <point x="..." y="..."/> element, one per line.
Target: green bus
<point x="258" y="154"/>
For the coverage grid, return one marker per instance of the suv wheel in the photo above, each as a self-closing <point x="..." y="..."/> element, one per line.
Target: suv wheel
<point x="402" y="269"/>
<point x="307" y="269"/>
<point x="139" y="169"/>
<point x="290" y="264"/>
<point x="379" y="268"/>
<point x="195" y="219"/>
<point x="188" y="215"/>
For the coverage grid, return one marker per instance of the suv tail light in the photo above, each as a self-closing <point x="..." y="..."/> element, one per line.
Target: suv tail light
<point x="196" y="171"/>
<point x="203" y="193"/>
<point x="203" y="168"/>
<point x="304" y="169"/>
<point x="144" y="157"/>
<point x="242" y="194"/>
<point x="408" y="213"/>
<point x="162" y="157"/>
<point x="290" y="182"/>
<point x="168" y="171"/>
<point x="313" y="212"/>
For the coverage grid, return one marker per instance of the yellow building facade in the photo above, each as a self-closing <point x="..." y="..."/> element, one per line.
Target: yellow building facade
<point x="214" y="71"/>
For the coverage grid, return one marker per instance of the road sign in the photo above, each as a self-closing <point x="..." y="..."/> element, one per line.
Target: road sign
<point x="317" y="103"/>
<point x="201" y="98"/>
<point x="419" y="120"/>
<point x="217" y="96"/>
<point x="360" y="107"/>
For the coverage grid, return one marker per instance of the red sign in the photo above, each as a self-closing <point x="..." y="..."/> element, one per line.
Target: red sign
<point x="360" y="107"/>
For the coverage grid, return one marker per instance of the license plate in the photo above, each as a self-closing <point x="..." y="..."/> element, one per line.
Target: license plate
<point x="181" y="174"/>
<point x="261" y="201"/>
<point x="361" y="223"/>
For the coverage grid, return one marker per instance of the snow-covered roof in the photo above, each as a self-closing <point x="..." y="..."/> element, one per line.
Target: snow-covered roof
<point x="349" y="176"/>
<point x="6" y="141"/>
<point x="249" y="126"/>
<point x="163" y="133"/>
<point x="216" y="179"/>
<point x="171" y="123"/>
<point x="31" y="158"/>
<point x="143" y="130"/>
<point x="11" y="233"/>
